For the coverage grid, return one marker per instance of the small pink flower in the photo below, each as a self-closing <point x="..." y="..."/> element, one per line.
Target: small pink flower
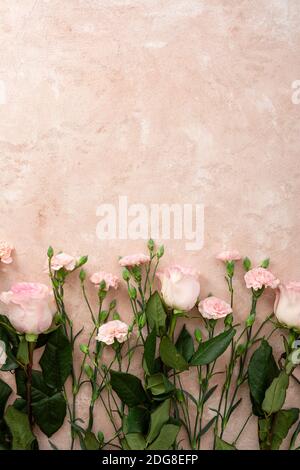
<point x="63" y="260"/>
<point x="180" y="287"/>
<point x="214" y="308"/>
<point x="231" y="255"/>
<point x="134" y="260"/>
<point x="112" y="330"/>
<point x="5" y="252"/>
<point x="287" y="304"/>
<point x="30" y="307"/>
<point x="257" y="278"/>
<point x="110" y="280"/>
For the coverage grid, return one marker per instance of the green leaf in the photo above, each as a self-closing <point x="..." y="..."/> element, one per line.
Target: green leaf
<point x="159" y="384"/>
<point x="170" y="356"/>
<point x="211" y="349"/>
<point x="261" y="372"/>
<point x="223" y="445"/>
<point x="166" y="438"/>
<point x="56" y="361"/>
<point x="128" y="388"/>
<point x="90" y="441"/>
<point x="11" y="361"/>
<point x="155" y="313"/>
<point x="275" y="394"/>
<point x="158" y="418"/>
<point x="185" y="344"/>
<point x="149" y="352"/>
<point x="5" y="392"/>
<point x="18" y="423"/>
<point x="50" y="413"/>
<point x="282" y="423"/>
<point x="135" y="441"/>
<point x="39" y="390"/>
<point x="137" y="420"/>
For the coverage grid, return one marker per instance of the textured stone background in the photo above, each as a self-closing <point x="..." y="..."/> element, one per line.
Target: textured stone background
<point x="162" y="101"/>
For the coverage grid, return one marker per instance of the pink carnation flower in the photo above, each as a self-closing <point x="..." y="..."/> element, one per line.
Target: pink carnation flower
<point x="5" y="252"/>
<point x="258" y="278"/>
<point x="63" y="260"/>
<point x="134" y="260"/>
<point x="110" y="280"/>
<point x="112" y="330"/>
<point x="231" y="255"/>
<point x="214" y="308"/>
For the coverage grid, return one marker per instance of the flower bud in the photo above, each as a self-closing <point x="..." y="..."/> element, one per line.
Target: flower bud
<point x="116" y="316"/>
<point x="250" y="320"/>
<point x="142" y="321"/>
<point x="160" y="251"/>
<point x="198" y="335"/>
<point x="84" y="348"/>
<point x="126" y="274"/>
<point x="132" y="292"/>
<point x="50" y="252"/>
<point x="247" y="264"/>
<point x="82" y="275"/>
<point x="88" y="370"/>
<point x="151" y="245"/>
<point x="82" y="260"/>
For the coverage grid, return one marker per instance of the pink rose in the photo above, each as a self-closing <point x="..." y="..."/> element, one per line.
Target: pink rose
<point x="112" y="330"/>
<point x="258" y="278"/>
<point x="62" y="260"/>
<point x="5" y="252"/>
<point x="31" y="307"/>
<point x="232" y="255"/>
<point x="134" y="260"/>
<point x="110" y="280"/>
<point x="214" y="308"/>
<point x="287" y="304"/>
<point x="180" y="287"/>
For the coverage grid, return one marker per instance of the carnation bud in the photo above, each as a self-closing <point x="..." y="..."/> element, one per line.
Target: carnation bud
<point x="136" y="271"/>
<point x="100" y="437"/>
<point x="230" y="268"/>
<point x="198" y="335"/>
<point x="116" y="316"/>
<point x="88" y="370"/>
<point x="241" y="349"/>
<point x="142" y="320"/>
<point x="250" y="320"/>
<point x="179" y="396"/>
<point x="126" y="275"/>
<point x="82" y="275"/>
<point x="228" y="320"/>
<point x="112" y="304"/>
<point x="82" y="260"/>
<point x="132" y="292"/>
<point x="160" y="251"/>
<point x="247" y="264"/>
<point x="265" y="263"/>
<point x="151" y="245"/>
<point x="103" y="316"/>
<point x="84" y="348"/>
<point x="50" y="252"/>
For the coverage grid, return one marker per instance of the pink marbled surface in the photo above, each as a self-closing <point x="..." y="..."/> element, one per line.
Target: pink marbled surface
<point x="161" y="100"/>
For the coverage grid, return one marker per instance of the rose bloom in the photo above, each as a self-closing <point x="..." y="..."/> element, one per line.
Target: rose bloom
<point x="30" y="307"/>
<point x="63" y="260"/>
<point x="287" y="304"/>
<point x="134" y="260"/>
<point x="110" y="280"/>
<point x="112" y="330"/>
<point x="231" y="255"/>
<point x="5" y="252"/>
<point x="180" y="287"/>
<point x="214" y="308"/>
<point x="258" y="278"/>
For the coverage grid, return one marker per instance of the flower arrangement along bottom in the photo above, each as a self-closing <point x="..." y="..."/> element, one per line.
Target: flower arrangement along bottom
<point x="154" y="410"/>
